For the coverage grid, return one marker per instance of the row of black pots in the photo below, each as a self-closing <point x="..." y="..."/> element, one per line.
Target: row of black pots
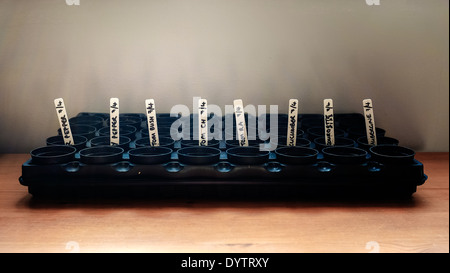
<point x="311" y="133"/>
<point x="89" y="131"/>
<point x="93" y="126"/>
<point x="126" y="143"/>
<point x="132" y="123"/>
<point x="99" y="122"/>
<point x="203" y="155"/>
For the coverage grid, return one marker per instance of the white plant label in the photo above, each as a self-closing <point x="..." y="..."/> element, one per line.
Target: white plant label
<point x="63" y="119"/>
<point x="241" y="128"/>
<point x="203" y="122"/>
<point x="292" y="123"/>
<point x="151" y="122"/>
<point x="114" y="133"/>
<point x="370" y="122"/>
<point x="328" y="116"/>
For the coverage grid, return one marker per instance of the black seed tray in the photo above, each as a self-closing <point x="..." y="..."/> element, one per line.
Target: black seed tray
<point x="220" y="170"/>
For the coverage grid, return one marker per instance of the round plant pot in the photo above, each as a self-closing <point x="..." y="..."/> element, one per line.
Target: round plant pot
<point x="359" y="131"/>
<point x="150" y="155"/>
<point x="124" y="142"/>
<point x="101" y="155"/>
<point x="54" y="154"/>
<point x="390" y="154"/>
<point x="344" y="155"/>
<point x="235" y="143"/>
<point x="363" y="143"/>
<point x="299" y="142"/>
<point x="200" y="155"/>
<point x="339" y="142"/>
<point x="316" y="132"/>
<point x="124" y="130"/>
<point x="194" y="143"/>
<point x="95" y="121"/>
<point x="163" y="142"/>
<point x="296" y="155"/>
<point x="79" y="141"/>
<point x="247" y="156"/>
<point x="81" y="130"/>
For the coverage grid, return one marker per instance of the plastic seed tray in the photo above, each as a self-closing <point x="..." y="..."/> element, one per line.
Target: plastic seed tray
<point x="223" y="168"/>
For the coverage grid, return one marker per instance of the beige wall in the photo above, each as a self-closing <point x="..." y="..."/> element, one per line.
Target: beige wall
<point x="263" y="51"/>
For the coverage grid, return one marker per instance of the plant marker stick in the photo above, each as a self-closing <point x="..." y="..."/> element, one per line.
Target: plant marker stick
<point x="203" y="122"/>
<point x="151" y="122"/>
<point x="328" y="115"/>
<point x="370" y="122"/>
<point x="114" y="134"/>
<point x="240" y="122"/>
<point x="292" y="123"/>
<point x="63" y="119"/>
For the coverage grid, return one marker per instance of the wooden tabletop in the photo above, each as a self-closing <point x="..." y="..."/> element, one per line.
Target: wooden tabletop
<point x="421" y="224"/>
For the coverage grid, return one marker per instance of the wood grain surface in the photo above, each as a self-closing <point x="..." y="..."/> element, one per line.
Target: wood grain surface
<point x="421" y="224"/>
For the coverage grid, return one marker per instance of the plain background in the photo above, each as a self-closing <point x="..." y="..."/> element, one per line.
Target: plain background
<point x="262" y="51"/>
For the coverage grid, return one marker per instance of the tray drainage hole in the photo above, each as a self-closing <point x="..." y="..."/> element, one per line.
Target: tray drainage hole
<point x="122" y="167"/>
<point x="374" y="166"/>
<point x="274" y="167"/>
<point x="224" y="167"/>
<point x="324" y="167"/>
<point x="72" y="167"/>
<point x="173" y="167"/>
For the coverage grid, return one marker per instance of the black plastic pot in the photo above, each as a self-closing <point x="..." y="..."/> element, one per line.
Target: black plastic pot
<point x="79" y="141"/>
<point x="124" y="130"/>
<point x="316" y="132"/>
<point x="358" y="131"/>
<point x="390" y="154"/>
<point x="363" y="143"/>
<point x="296" y="155"/>
<point x="95" y="121"/>
<point x="253" y="133"/>
<point x="345" y="121"/>
<point x="300" y="133"/>
<point x="150" y="155"/>
<point x="338" y="142"/>
<point x="299" y="142"/>
<point x="81" y="130"/>
<point x="247" y="156"/>
<point x="344" y="155"/>
<point x="235" y="143"/>
<point x="179" y="134"/>
<point x="124" y="142"/>
<point x="316" y="121"/>
<point x="200" y="155"/>
<point x="194" y="143"/>
<point x="131" y="119"/>
<point x="101" y="155"/>
<point x="54" y="154"/>
<point x="163" y="142"/>
<point x="162" y="132"/>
